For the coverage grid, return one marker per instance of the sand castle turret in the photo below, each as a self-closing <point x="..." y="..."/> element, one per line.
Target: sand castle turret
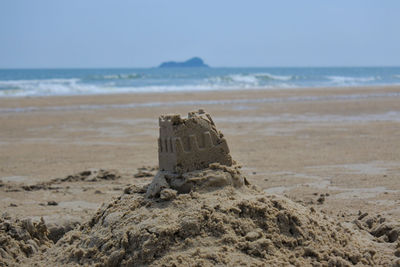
<point x="192" y="143"/>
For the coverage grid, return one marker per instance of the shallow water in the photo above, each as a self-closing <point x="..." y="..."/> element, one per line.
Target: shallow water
<point x="209" y="102"/>
<point x="46" y="82"/>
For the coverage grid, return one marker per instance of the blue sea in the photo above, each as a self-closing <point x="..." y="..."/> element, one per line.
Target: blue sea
<point x="50" y="82"/>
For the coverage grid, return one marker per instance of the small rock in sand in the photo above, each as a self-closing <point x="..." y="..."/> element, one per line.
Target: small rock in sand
<point x="321" y="199"/>
<point x="52" y="203"/>
<point x="251" y="236"/>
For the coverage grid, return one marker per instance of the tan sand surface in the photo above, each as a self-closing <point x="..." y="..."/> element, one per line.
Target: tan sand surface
<point x="336" y="150"/>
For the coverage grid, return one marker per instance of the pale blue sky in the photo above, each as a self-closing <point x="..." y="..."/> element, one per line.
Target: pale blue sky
<point x="97" y="33"/>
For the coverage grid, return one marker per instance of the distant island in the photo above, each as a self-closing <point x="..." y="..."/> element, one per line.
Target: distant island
<point x="193" y="62"/>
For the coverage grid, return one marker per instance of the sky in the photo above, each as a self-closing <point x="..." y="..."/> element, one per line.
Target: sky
<point x="129" y="33"/>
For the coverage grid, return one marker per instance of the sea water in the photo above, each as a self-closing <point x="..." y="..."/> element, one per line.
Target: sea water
<point x="49" y="82"/>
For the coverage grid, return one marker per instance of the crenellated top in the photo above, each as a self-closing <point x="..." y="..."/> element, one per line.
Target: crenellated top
<point x="169" y="120"/>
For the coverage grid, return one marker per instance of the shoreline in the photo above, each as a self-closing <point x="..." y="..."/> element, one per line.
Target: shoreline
<point x="217" y="95"/>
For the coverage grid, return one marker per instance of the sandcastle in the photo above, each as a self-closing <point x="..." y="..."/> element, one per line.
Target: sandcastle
<point x="190" y="151"/>
<point x="190" y="144"/>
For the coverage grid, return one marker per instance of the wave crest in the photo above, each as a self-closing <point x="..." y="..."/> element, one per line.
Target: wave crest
<point x="129" y="76"/>
<point x="268" y="76"/>
<point x="258" y="79"/>
<point x="346" y="80"/>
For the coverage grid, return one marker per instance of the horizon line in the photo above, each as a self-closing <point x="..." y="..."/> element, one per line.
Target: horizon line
<point x="211" y="67"/>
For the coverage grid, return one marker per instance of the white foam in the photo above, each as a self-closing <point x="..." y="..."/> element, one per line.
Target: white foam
<point x="254" y="78"/>
<point x="119" y="76"/>
<point x="273" y="77"/>
<point x="249" y="79"/>
<point x="345" y="80"/>
<point x="74" y="87"/>
<point x="39" y="87"/>
<point x="145" y="84"/>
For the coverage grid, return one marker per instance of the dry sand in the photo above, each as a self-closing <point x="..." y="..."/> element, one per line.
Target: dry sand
<point x="334" y="151"/>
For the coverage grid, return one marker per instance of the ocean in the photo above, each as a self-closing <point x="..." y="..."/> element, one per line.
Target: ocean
<point x="52" y="82"/>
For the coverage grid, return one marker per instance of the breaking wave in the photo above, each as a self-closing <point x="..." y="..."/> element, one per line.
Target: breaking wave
<point x="14" y="83"/>
<point x="59" y="89"/>
<point x="345" y="80"/>
<point x="129" y="76"/>
<point x="39" y="87"/>
<point x="254" y="78"/>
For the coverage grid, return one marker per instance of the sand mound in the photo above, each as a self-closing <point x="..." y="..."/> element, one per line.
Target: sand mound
<point x="20" y="239"/>
<point x="214" y="224"/>
<point x="378" y="226"/>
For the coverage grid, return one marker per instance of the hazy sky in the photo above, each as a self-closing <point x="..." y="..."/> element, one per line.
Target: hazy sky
<point x="96" y="33"/>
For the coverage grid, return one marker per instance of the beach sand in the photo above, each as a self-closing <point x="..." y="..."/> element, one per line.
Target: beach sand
<point x="336" y="150"/>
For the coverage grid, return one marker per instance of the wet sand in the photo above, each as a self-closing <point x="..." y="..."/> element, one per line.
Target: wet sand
<point x="342" y="143"/>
